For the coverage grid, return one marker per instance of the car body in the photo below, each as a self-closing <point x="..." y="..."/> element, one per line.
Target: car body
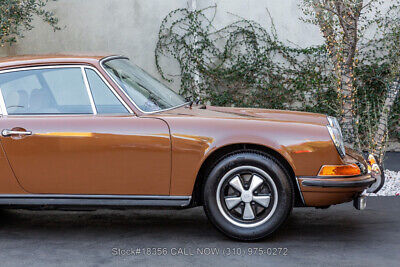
<point x="73" y="136"/>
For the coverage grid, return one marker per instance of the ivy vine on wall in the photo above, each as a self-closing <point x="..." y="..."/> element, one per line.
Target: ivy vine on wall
<point x="244" y="64"/>
<point x="241" y="64"/>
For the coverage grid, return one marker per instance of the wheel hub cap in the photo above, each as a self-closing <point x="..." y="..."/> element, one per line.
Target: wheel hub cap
<point x="247" y="196"/>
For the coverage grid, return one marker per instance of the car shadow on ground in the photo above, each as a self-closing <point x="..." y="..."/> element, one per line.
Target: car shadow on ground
<point x="185" y="225"/>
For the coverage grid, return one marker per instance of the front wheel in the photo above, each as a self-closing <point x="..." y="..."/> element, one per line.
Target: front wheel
<point x="248" y="195"/>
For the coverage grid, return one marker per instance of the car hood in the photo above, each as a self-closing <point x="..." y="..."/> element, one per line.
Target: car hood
<point x="249" y="113"/>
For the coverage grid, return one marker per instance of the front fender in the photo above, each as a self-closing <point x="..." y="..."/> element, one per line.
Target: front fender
<point x="306" y="146"/>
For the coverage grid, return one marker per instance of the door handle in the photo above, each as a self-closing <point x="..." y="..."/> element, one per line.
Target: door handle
<point x="7" y="132"/>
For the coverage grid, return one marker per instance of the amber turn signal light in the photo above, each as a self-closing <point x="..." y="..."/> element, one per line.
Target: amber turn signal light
<point x="339" y="170"/>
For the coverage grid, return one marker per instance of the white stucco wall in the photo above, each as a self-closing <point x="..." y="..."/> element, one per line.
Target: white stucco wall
<point x="130" y="27"/>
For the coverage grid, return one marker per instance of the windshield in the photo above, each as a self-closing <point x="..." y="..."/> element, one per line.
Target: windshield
<point x="145" y="91"/>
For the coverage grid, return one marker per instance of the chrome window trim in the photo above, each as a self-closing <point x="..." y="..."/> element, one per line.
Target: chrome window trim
<point x="103" y="60"/>
<point x="88" y="91"/>
<point x="3" y="110"/>
<point x="43" y="67"/>
<point x="109" y="87"/>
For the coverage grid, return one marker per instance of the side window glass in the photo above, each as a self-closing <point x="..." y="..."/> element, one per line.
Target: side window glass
<point x="104" y="99"/>
<point x="45" y="91"/>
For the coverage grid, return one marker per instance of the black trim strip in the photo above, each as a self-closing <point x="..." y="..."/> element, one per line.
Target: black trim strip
<point x="332" y="177"/>
<point x="326" y="183"/>
<point x="108" y="58"/>
<point x="301" y="193"/>
<point x="94" y="200"/>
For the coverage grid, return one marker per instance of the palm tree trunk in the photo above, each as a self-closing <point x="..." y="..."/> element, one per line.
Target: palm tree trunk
<point x="347" y="105"/>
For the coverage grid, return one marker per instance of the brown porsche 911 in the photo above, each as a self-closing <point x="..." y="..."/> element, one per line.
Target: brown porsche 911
<point x="84" y="131"/>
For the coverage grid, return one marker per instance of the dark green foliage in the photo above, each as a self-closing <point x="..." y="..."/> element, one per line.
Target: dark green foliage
<point x="16" y="16"/>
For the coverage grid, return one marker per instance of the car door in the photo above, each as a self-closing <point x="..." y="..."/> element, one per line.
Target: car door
<point x="66" y="131"/>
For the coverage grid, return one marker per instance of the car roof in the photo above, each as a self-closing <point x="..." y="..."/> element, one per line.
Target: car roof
<point x="37" y="60"/>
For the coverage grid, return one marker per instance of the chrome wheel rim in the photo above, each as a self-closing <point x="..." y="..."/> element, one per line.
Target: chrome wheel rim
<point x="247" y="196"/>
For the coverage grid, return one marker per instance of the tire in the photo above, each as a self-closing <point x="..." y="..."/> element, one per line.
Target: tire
<point x="258" y="207"/>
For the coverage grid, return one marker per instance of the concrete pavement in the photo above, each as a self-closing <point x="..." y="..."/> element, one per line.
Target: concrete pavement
<point x="338" y="236"/>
